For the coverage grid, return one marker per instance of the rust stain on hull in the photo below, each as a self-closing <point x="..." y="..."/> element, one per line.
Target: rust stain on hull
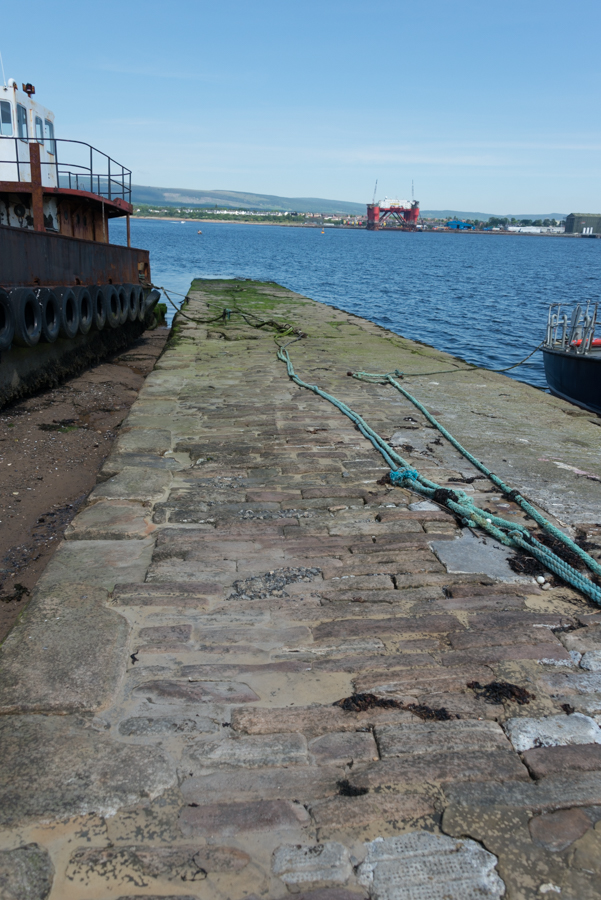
<point x="42" y="258"/>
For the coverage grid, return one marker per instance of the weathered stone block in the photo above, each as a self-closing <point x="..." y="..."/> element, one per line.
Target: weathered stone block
<point x="545" y="761"/>
<point x="524" y="620"/>
<point x="198" y="692"/>
<point x="229" y="819"/>
<point x="591" y="661"/>
<point x="223" y="671"/>
<point x="360" y="663"/>
<point x="145" y="865"/>
<point x="67" y="653"/>
<point x="489" y="655"/>
<point x="310" y="720"/>
<point x="331" y="893"/>
<point x="180" y="594"/>
<point x="165" y="634"/>
<point x="441" y="767"/>
<point x="144" y="440"/>
<point x="587" y="854"/>
<point x="342" y="748"/>
<point x="555" y="792"/>
<point x="26" y="872"/>
<point x="300" y="783"/>
<point x="556" y="831"/>
<point x="498" y="637"/>
<point x="433" y="680"/>
<point x="111" y="520"/>
<point x="475" y="554"/>
<point x="429" y="867"/>
<point x="103" y="775"/>
<point x="100" y="563"/>
<point x="147" y="726"/>
<point x="347" y="628"/>
<point x="572" y="682"/>
<point x="134" y="483"/>
<point x="351" y="812"/>
<point x="358" y="583"/>
<point x="432" y="737"/>
<point x="253" y="751"/>
<point x="552" y="731"/>
<point x="327" y="863"/>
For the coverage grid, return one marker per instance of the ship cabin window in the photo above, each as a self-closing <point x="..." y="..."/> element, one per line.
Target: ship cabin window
<point x="6" y="119"/>
<point x="49" y="135"/>
<point x="39" y="130"/>
<point x="22" y="122"/>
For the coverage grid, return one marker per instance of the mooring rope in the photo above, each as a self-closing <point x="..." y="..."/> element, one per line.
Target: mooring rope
<point x="511" y="534"/>
<point x="284" y="328"/>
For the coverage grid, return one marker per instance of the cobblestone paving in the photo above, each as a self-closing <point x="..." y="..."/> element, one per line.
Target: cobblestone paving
<point x="254" y="668"/>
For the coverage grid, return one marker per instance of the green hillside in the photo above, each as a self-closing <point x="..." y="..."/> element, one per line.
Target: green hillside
<point x="181" y="197"/>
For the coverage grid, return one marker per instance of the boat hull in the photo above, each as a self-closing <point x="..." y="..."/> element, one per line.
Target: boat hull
<point x="574" y="378"/>
<point x="30" y="258"/>
<point x="26" y="370"/>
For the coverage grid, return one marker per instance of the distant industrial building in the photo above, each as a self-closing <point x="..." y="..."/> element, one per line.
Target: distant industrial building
<point x="459" y="226"/>
<point x="583" y="223"/>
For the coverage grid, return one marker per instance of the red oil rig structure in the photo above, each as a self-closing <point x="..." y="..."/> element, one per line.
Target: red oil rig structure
<point x="398" y="215"/>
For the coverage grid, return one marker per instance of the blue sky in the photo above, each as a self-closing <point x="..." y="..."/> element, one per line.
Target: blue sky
<point x="491" y="107"/>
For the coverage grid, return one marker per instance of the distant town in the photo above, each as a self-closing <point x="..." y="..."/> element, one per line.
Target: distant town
<point x="316" y="219"/>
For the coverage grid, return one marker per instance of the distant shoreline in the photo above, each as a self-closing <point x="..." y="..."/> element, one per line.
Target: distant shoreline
<point x="350" y="227"/>
<point x="234" y="222"/>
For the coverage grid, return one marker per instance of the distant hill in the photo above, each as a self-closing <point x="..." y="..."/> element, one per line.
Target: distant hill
<point x="458" y="214"/>
<point x="238" y="200"/>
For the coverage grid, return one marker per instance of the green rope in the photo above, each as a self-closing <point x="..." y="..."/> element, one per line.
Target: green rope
<point x="472" y="368"/>
<point x="511" y="534"/>
<point x="284" y="329"/>
<point x="510" y="493"/>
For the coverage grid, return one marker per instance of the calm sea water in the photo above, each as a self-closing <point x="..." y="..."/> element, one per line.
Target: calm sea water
<point x="483" y="298"/>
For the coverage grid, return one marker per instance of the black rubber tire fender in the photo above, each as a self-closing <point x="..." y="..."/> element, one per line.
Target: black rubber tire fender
<point x="138" y="292"/>
<point x="111" y="305"/>
<point x="7" y="322"/>
<point x="69" y="313"/>
<point x="28" y="317"/>
<point x="98" y="307"/>
<point x="85" y="309"/>
<point x="150" y="301"/>
<point x="123" y="295"/>
<point x="133" y="303"/>
<point x="51" y="315"/>
<point x="143" y="294"/>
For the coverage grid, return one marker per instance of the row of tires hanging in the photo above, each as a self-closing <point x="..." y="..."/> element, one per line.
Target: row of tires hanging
<point x="30" y="315"/>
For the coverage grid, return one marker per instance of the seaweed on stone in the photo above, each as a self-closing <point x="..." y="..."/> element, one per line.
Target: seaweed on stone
<point x="499" y="691"/>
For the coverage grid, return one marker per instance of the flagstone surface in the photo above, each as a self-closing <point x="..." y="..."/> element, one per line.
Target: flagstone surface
<point x="179" y="709"/>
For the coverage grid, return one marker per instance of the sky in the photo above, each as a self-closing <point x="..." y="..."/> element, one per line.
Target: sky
<point x="484" y="106"/>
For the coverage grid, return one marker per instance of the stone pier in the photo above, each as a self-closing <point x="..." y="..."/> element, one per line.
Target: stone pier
<point x="256" y="669"/>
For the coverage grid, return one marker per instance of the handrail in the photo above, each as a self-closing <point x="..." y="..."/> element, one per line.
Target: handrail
<point x="97" y="177"/>
<point x="573" y="335"/>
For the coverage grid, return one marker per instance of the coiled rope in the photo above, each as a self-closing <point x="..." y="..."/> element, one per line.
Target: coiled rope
<point x="511" y="534"/>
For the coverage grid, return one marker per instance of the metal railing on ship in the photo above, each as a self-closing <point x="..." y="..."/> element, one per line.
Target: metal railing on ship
<point x="90" y="170"/>
<point x="575" y="334"/>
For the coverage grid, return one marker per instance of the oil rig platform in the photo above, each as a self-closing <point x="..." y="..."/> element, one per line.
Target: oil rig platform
<point x="400" y="215"/>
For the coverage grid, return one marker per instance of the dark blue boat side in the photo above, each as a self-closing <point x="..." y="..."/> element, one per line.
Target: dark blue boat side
<point x="574" y="378"/>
